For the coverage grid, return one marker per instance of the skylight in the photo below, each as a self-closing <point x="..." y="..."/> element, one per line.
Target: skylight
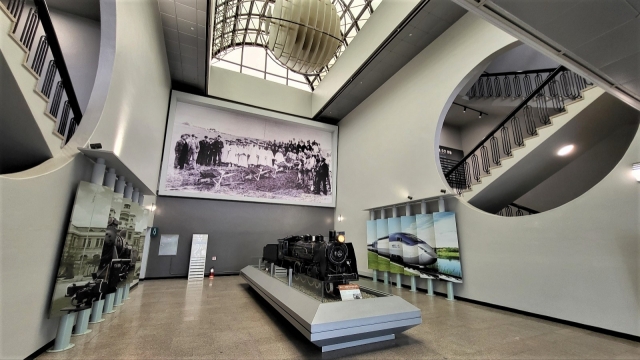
<point x="239" y="39"/>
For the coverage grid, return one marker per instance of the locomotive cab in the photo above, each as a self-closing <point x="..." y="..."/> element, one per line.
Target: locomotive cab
<point x="331" y="259"/>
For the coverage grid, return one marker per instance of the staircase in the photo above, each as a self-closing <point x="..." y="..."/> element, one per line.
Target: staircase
<point x="30" y="47"/>
<point x="554" y="101"/>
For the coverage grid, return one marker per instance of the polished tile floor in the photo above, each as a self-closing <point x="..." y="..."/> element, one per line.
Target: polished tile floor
<point x="226" y="319"/>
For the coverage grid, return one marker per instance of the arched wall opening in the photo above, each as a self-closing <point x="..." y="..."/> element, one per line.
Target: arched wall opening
<point x="512" y="146"/>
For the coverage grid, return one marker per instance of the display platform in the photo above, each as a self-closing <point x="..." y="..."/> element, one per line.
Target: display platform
<point x="330" y="324"/>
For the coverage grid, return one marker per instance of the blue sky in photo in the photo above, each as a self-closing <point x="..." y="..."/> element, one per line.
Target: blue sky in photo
<point x="394" y="225"/>
<point x="382" y="228"/>
<point x="409" y="225"/>
<point x="371" y="231"/>
<point x="424" y="223"/>
<point x="446" y="231"/>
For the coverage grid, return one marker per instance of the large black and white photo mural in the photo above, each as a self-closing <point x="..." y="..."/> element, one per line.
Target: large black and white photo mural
<point x="219" y="150"/>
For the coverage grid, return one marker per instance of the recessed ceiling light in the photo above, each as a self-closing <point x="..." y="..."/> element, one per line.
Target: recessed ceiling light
<point x="192" y="28"/>
<point x="565" y="150"/>
<point x="410" y="34"/>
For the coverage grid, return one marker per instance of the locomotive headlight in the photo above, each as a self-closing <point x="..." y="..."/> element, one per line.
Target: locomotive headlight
<point x="341" y="238"/>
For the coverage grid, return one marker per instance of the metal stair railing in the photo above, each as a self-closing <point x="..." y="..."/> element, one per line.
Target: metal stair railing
<point x="28" y="21"/>
<point x="535" y="111"/>
<point x="514" y="209"/>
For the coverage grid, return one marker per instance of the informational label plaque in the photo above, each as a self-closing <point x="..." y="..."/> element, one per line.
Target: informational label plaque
<point x="350" y="292"/>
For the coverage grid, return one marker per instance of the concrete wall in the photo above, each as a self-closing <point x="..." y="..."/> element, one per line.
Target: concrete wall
<point x="581" y="174"/>
<point x="472" y="134"/>
<point x="34" y="216"/>
<point x="135" y="114"/>
<point x="450" y="137"/>
<point x="382" y="22"/>
<point x="237" y="231"/>
<point x="578" y="262"/>
<point x="247" y="89"/>
<point x="80" y="42"/>
<point x="127" y="111"/>
<point x="520" y="58"/>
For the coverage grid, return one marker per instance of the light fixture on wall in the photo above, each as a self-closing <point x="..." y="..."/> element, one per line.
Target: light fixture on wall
<point x="464" y="110"/>
<point x="153" y="207"/>
<point x="340" y="218"/>
<point x="565" y="150"/>
<point x="636" y="171"/>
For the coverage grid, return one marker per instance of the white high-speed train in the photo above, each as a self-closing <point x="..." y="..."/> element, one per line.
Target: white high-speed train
<point x="404" y="248"/>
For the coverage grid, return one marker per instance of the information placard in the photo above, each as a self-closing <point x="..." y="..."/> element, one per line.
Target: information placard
<point x="350" y="292"/>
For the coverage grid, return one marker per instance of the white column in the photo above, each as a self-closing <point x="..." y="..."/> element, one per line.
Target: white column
<point x="128" y="191"/>
<point x="372" y="214"/>
<point x="110" y="178"/>
<point x="135" y="195"/>
<point x="141" y="200"/>
<point x="394" y="211"/>
<point x="441" y="205"/>
<point x="408" y="209"/>
<point x="423" y="207"/>
<point x="120" y="184"/>
<point x="97" y="176"/>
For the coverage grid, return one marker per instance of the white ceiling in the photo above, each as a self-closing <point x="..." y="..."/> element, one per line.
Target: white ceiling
<point x="184" y="23"/>
<point x="430" y="19"/>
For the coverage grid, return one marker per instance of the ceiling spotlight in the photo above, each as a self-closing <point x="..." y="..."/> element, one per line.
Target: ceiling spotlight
<point x="479" y="115"/>
<point x="636" y="171"/>
<point x="565" y="150"/>
<point x="464" y="109"/>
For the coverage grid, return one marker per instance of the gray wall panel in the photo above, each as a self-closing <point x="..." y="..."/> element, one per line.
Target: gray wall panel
<point x="237" y="231"/>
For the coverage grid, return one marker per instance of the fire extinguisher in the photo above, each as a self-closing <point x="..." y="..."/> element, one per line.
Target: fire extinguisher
<point x="211" y="272"/>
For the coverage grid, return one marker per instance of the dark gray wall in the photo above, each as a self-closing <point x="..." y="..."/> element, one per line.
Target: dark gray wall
<point x="237" y="231"/>
<point x="80" y="42"/>
<point x="18" y="128"/>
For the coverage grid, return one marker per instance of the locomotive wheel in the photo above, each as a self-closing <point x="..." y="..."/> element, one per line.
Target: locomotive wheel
<point x="328" y="287"/>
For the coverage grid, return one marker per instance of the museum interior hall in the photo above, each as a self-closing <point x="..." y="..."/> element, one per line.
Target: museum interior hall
<point x="322" y="179"/>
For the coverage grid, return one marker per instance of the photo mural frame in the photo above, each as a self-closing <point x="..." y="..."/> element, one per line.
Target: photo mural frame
<point x="224" y="185"/>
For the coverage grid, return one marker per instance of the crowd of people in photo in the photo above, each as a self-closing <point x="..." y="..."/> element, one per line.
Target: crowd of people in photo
<point x="306" y="157"/>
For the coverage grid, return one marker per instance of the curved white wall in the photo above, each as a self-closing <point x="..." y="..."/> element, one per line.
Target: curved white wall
<point x="126" y="112"/>
<point x="578" y="262"/>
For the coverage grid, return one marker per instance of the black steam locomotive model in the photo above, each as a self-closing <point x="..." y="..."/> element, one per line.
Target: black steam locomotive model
<point x="331" y="260"/>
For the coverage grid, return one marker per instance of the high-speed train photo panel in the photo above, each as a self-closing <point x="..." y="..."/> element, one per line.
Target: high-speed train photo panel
<point x="404" y="248"/>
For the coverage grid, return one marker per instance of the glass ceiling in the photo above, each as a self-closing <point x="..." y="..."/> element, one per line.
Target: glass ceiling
<point x="239" y="44"/>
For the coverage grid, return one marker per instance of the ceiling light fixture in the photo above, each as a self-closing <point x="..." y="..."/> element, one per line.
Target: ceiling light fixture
<point x="635" y="170"/>
<point x="565" y="150"/>
<point x="288" y="32"/>
<point x="479" y="115"/>
<point x="464" y="110"/>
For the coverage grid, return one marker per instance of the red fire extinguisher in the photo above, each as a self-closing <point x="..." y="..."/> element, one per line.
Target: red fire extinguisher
<point x="211" y="272"/>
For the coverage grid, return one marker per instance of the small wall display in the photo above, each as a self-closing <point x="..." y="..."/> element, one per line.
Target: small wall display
<point x="83" y="243"/>
<point x="424" y="245"/>
<point x="168" y="245"/>
<point x="448" y="249"/>
<point x="381" y="246"/>
<point x="218" y="150"/>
